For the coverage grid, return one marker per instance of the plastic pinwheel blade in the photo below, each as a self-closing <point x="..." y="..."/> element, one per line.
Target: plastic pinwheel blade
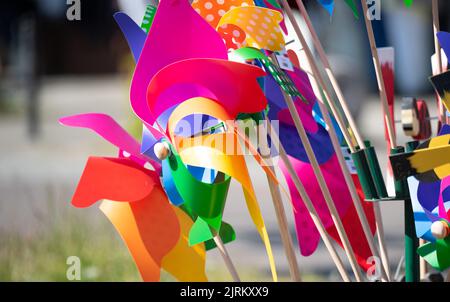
<point x="105" y="126"/>
<point x="113" y="179"/>
<point x="200" y="232"/>
<point x="444" y="40"/>
<point x="262" y="31"/>
<point x="226" y="233"/>
<point x="134" y="35"/>
<point x="441" y="84"/>
<point x="437" y="254"/>
<point x="328" y="5"/>
<point x="194" y="38"/>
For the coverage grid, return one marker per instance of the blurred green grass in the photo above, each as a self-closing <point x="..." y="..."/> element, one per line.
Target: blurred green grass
<point x="40" y="254"/>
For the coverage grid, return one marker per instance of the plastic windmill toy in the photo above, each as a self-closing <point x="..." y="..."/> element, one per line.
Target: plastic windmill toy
<point x="207" y="75"/>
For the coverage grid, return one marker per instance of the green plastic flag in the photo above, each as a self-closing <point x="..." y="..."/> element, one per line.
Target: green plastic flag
<point x="354" y="8"/>
<point x="149" y="15"/>
<point x="203" y="202"/>
<point x="408" y="3"/>
<point x="274" y="3"/>
<point x="437" y="254"/>
<point x="285" y="82"/>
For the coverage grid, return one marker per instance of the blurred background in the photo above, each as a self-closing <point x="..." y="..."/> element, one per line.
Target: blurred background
<point x="52" y="67"/>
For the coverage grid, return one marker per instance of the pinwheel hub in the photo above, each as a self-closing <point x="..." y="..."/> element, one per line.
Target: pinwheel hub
<point x="162" y="150"/>
<point x="440" y="229"/>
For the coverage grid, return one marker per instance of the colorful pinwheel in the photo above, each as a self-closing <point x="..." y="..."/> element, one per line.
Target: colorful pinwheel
<point x="202" y="66"/>
<point x="173" y="86"/>
<point x="296" y="84"/>
<point x="155" y="232"/>
<point x="324" y="152"/>
<point x="430" y="200"/>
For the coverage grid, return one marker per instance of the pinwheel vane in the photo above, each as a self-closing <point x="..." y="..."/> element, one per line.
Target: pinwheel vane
<point x="202" y="68"/>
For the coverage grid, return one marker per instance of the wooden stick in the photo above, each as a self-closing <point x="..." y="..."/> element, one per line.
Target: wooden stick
<point x="437" y="49"/>
<point x="381" y="241"/>
<point x="324" y="59"/>
<point x="384" y="102"/>
<point x="361" y="214"/>
<point x="336" y="145"/>
<point x="436" y="28"/>
<point x="226" y="257"/>
<point x="448" y="276"/>
<point x="279" y="208"/>
<point x="323" y="186"/>
<point x="423" y="264"/>
<point x="379" y="74"/>
<point x="308" y="203"/>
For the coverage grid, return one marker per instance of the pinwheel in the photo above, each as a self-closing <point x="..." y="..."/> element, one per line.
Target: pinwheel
<point x="443" y="46"/>
<point x="412" y="273"/>
<point x="430" y="202"/>
<point x="334" y="139"/>
<point x="168" y="86"/>
<point x="230" y="18"/>
<point x="279" y="79"/>
<point x="182" y="77"/>
<point x="426" y="160"/>
<point x="430" y="161"/>
<point x="155" y="232"/>
<point x="307" y="233"/>
<point x="257" y="21"/>
<point x="202" y="67"/>
<point x="427" y="164"/>
<point x="220" y="72"/>
<point x="212" y="11"/>
<point x="364" y="159"/>
<point x="251" y="18"/>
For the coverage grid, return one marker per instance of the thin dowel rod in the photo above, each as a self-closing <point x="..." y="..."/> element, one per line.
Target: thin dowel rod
<point x="423" y="264"/>
<point x="436" y="28"/>
<point x="437" y="49"/>
<point x="324" y="59"/>
<point x="323" y="187"/>
<point x="279" y="208"/>
<point x="349" y="181"/>
<point x="379" y="74"/>
<point x="383" y="98"/>
<point x="321" y="82"/>
<point x="381" y="241"/>
<point x="308" y="203"/>
<point x="347" y="176"/>
<point x="226" y="258"/>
